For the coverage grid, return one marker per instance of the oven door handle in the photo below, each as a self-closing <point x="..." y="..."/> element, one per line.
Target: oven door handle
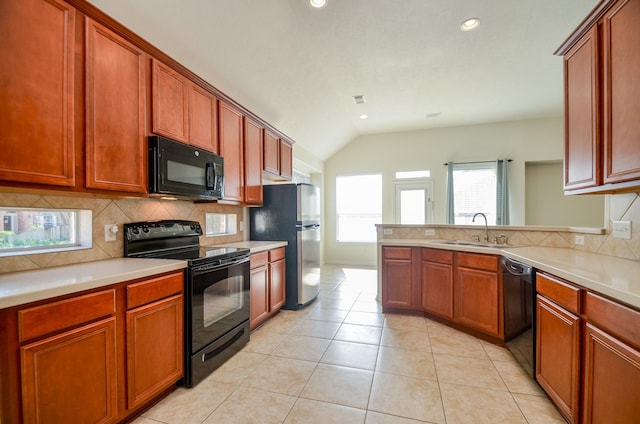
<point x="210" y="355"/>
<point x="201" y="269"/>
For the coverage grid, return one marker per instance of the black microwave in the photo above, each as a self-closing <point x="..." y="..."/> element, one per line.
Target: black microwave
<point x="184" y="172"/>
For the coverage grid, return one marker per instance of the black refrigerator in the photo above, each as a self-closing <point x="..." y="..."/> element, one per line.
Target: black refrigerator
<point x="291" y="212"/>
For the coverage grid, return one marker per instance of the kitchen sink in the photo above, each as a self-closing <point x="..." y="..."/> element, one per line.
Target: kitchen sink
<point x="473" y="243"/>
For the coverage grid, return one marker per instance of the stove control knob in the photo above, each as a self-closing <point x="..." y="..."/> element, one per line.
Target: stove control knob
<point x="145" y="229"/>
<point x="135" y="230"/>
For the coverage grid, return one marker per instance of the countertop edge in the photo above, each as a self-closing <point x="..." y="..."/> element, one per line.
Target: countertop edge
<point x="255" y="246"/>
<point x="141" y="268"/>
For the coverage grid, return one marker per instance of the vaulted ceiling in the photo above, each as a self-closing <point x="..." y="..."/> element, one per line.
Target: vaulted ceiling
<point x="298" y="67"/>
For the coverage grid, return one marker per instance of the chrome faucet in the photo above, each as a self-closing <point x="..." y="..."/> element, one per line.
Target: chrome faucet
<point x="486" y="227"/>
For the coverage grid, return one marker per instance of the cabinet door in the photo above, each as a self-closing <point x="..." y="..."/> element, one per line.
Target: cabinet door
<point x="476" y="300"/>
<point x="286" y="160"/>
<point x="169" y="102"/>
<point x="437" y="288"/>
<point x="558" y="356"/>
<point x="259" y="296"/>
<point x="154" y="349"/>
<point x="37" y="89"/>
<point x="621" y="67"/>
<point x="71" y="377"/>
<point x="582" y="111"/>
<point x="611" y="379"/>
<point x="115" y="112"/>
<point x="271" y="153"/>
<point x="203" y="119"/>
<point x="398" y="277"/>
<point x="252" y="163"/>
<point x="277" y="287"/>
<point x="230" y="123"/>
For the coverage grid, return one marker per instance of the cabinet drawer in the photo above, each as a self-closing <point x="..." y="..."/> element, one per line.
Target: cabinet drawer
<point x="562" y="293"/>
<point x="396" y="252"/>
<point x="472" y="260"/>
<point x="41" y="320"/>
<point x="437" y="255"/>
<point x="154" y="289"/>
<point x="276" y="254"/>
<point x="614" y="318"/>
<point x="259" y="259"/>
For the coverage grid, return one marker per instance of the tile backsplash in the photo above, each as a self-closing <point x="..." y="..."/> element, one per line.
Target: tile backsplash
<point x="109" y="211"/>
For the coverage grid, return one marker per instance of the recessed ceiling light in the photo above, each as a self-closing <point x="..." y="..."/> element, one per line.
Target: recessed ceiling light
<point x="318" y="3"/>
<point x="363" y="116"/>
<point x="470" y="24"/>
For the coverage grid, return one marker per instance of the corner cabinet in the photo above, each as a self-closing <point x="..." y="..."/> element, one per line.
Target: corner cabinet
<point x="37" y="112"/>
<point x="602" y="152"/>
<point x="116" y="151"/>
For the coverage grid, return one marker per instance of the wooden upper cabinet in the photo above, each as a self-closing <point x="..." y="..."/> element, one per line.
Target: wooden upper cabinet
<point x="37" y="79"/>
<point x="582" y="133"/>
<point x="116" y="148"/>
<point x="253" y="133"/>
<point x="602" y="132"/>
<point x="271" y="153"/>
<point x="621" y="70"/>
<point x="169" y="96"/>
<point x="203" y="119"/>
<point x="231" y="149"/>
<point x="286" y="160"/>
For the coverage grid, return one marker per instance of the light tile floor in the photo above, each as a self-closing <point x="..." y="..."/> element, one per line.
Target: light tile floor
<point x="341" y="360"/>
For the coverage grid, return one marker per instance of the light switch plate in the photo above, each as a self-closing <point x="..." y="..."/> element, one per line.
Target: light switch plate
<point x="579" y="240"/>
<point x="387" y="231"/>
<point x="110" y="231"/>
<point x="429" y="232"/>
<point x="622" y="229"/>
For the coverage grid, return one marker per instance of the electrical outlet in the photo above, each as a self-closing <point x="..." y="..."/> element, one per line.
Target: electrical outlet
<point x="241" y="225"/>
<point x="387" y="231"/>
<point x="110" y="231"/>
<point x="579" y="240"/>
<point x="429" y="232"/>
<point x="622" y="229"/>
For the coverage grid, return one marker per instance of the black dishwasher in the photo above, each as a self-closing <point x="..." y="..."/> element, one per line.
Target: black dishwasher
<point x="519" y="312"/>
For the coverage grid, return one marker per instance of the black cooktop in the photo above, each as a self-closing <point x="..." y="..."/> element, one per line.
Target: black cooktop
<point x="172" y="239"/>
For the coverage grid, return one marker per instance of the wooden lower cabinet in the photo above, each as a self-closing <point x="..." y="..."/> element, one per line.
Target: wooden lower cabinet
<point x="558" y="356"/>
<point x="71" y="377"/>
<point x="437" y="282"/>
<point x="611" y="379"/>
<point x="400" y="290"/>
<point x="477" y="293"/>
<point x="268" y="285"/>
<point x="94" y="357"/>
<point x="155" y="358"/>
<point x="259" y="292"/>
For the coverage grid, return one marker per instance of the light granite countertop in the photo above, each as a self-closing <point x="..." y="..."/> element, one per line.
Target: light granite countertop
<point x="17" y="288"/>
<point x="255" y="246"/>
<point x="608" y="275"/>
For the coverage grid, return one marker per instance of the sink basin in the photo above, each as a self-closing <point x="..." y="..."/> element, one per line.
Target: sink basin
<point x="472" y="243"/>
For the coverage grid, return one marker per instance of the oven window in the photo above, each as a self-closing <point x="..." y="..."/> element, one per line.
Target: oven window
<point x="222" y="299"/>
<point x="187" y="174"/>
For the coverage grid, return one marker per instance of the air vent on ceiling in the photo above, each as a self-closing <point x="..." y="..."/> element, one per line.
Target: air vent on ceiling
<point x="358" y="99"/>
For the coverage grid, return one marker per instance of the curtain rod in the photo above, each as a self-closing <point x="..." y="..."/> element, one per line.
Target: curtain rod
<point x="482" y="161"/>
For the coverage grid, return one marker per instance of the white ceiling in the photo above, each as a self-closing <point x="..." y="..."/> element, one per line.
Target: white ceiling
<point x="298" y="67"/>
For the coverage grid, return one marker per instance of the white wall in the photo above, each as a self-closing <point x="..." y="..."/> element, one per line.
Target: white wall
<point x="546" y="203"/>
<point x="530" y="140"/>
